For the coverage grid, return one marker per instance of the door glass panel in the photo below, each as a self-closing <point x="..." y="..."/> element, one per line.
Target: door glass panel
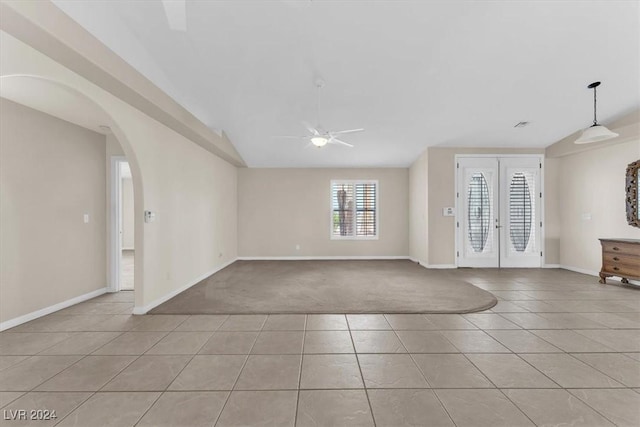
<point x="479" y="205"/>
<point x="522" y="212"/>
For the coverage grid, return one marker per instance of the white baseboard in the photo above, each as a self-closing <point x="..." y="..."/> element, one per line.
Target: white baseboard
<point x="433" y="266"/>
<point x="593" y="273"/>
<point x="551" y="266"/>
<point x="12" y="323"/>
<point x="580" y="270"/>
<point x="145" y="309"/>
<point x="319" y="258"/>
<point x="441" y="266"/>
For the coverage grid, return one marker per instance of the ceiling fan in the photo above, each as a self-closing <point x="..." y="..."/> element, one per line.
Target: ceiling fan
<point x="318" y="136"/>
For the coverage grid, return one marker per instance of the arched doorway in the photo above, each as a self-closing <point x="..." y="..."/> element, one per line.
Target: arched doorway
<point x="69" y="104"/>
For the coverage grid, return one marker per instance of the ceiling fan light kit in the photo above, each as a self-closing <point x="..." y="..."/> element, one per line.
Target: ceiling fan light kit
<point x="595" y="132"/>
<point x="317" y="135"/>
<point x="319" y="141"/>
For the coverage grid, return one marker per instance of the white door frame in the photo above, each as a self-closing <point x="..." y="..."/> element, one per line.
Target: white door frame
<point x="115" y="225"/>
<point x="540" y="158"/>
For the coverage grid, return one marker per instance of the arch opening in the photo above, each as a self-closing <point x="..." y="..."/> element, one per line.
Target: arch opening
<point x="72" y="105"/>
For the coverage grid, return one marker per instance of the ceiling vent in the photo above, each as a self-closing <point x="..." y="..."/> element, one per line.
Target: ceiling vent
<point x="521" y="124"/>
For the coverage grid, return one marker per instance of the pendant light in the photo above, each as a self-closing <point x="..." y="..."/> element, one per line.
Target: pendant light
<point x="596" y="132"/>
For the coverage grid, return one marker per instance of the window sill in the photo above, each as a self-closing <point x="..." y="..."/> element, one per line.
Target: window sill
<point x="354" y="237"/>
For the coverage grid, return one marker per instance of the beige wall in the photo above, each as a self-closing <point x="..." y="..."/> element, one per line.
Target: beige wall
<point x="127" y="214"/>
<point x="192" y="191"/>
<point x="51" y="174"/>
<point x="552" y="198"/>
<point x="441" y="178"/>
<point x="281" y="208"/>
<point x="592" y="183"/>
<point x="418" y="210"/>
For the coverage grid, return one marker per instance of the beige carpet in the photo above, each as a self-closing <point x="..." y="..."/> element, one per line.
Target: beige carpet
<point x="264" y="287"/>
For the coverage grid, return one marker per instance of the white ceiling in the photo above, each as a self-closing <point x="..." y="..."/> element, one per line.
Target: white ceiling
<point x="412" y="73"/>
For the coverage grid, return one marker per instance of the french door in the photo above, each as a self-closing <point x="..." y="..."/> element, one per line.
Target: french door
<point x="499" y="212"/>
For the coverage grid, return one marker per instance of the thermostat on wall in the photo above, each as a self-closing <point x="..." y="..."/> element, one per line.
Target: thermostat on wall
<point x="149" y="216"/>
<point x="448" y="212"/>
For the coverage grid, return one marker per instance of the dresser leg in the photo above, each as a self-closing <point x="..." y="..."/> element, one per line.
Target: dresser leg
<point x="603" y="279"/>
<point x="625" y="280"/>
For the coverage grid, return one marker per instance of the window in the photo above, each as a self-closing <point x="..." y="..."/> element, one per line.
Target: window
<point x="354" y="209"/>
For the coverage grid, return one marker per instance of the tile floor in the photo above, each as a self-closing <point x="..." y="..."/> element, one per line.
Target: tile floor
<point x="558" y="349"/>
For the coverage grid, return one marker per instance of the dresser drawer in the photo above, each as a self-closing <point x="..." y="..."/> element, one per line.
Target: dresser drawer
<point x="620" y="248"/>
<point x="622" y="270"/>
<point x="621" y="258"/>
<point x="612" y="258"/>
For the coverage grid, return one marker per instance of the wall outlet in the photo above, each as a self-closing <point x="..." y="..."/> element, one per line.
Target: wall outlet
<point x="85" y="218"/>
<point x="586" y="216"/>
<point x="297" y="247"/>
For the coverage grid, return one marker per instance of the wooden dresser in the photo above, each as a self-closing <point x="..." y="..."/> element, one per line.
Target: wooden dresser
<point x="621" y="258"/>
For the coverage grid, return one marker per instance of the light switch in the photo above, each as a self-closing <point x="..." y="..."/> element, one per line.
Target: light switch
<point x="86" y="218"/>
<point x="448" y="211"/>
<point x="149" y="216"/>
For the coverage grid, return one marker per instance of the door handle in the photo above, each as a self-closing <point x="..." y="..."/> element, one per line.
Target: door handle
<point x="498" y="226"/>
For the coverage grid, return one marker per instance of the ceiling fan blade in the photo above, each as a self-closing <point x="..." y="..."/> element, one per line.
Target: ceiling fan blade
<point x="310" y="128"/>
<point x="347" y="131"/>
<point x="337" y="141"/>
<point x="176" y="11"/>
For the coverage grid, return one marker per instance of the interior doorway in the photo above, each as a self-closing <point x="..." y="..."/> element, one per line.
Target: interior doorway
<point x="499" y="211"/>
<point x="122" y="226"/>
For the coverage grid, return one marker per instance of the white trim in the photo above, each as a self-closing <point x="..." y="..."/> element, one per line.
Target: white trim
<point x="580" y="270"/>
<point x="499" y="155"/>
<point x="127" y="249"/>
<point x="321" y="258"/>
<point x="541" y="158"/>
<point x="456" y="207"/>
<point x="441" y="266"/>
<point x="593" y="273"/>
<point x="543" y="239"/>
<point x="11" y="323"/>
<point x="114" y="226"/>
<point x="354" y="182"/>
<point x="433" y="266"/>
<point x="145" y="309"/>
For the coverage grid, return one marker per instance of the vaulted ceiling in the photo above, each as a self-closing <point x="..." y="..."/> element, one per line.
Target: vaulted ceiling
<point x="412" y="73"/>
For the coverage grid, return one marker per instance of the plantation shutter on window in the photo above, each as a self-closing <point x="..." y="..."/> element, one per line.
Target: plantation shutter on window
<point x="354" y="209"/>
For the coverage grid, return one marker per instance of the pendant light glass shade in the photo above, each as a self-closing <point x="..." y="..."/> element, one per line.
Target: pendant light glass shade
<point x="594" y="134"/>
